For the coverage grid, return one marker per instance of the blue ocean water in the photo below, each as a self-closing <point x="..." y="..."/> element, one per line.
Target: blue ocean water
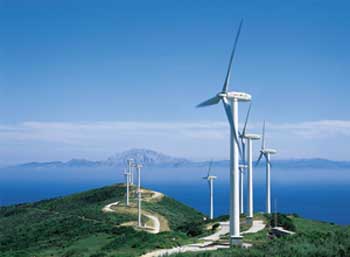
<point x="316" y="194"/>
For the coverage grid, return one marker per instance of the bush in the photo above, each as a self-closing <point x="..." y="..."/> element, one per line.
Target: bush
<point x="215" y="226"/>
<point x="191" y="228"/>
<point x="282" y="221"/>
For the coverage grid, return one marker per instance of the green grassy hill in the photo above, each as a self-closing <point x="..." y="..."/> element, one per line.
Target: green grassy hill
<point x="312" y="239"/>
<point x="76" y="226"/>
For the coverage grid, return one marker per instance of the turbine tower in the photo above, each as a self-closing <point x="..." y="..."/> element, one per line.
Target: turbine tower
<point x="126" y="174"/>
<point x="230" y="101"/>
<point x="130" y="170"/>
<point x="138" y="167"/>
<point x="266" y="152"/>
<point x="249" y="138"/>
<point x="242" y="167"/>
<point x="211" y="190"/>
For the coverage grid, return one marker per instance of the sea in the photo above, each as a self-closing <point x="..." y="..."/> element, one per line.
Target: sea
<point x="319" y="194"/>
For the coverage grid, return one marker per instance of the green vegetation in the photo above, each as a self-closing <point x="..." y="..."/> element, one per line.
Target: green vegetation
<point x="76" y="226"/>
<point x="312" y="239"/>
<point x="281" y="220"/>
<point x="176" y="213"/>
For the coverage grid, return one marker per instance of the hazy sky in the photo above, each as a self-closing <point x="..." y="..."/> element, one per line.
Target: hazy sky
<point x="86" y="79"/>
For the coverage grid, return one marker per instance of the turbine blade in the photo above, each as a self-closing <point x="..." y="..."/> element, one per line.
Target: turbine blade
<point x="210" y="164"/>
<point x="246" y="119"/>
<point x="228" y="110"/>
<point x="211" y="101"/>
<point x="227" y="79"/>
<point x="258" y="161"/>
<point x="263" y="137"/>
<point x="268" y="160"/>
<point x="243" y="150"/>
<point x="232" y="125"/>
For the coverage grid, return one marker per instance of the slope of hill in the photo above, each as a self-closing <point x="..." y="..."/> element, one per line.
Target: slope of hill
<point x="312" y="238"/>
<point x="76" y="226"/>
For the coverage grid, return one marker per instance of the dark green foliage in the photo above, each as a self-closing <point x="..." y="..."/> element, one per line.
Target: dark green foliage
<point x="282" y="221"/>
<point x="315" y="239"/>
<point x="75" y="226"/>
<point x="128" y="238"/>
<point x="191" y="228"/>
<point x="222" y="218"/>
<point x="176" y="213"/>
<point x="215" y="227"/>
<point x="99" y="254"/>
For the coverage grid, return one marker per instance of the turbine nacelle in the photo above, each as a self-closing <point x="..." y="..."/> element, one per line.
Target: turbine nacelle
<point x="251" y="136"/>
<point x="268" y="151"/>
<point x="240" y="96"/>
<point x="210" y="177"/>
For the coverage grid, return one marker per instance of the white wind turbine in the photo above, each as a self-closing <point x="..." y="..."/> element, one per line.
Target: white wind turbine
<point x="211" y="190"/>
<point x="248" y="138"/>
<point x="138" y="167"/>
<point x="126" y="174"/>
<point x="130" y="170"/>
<point x="230" y="101"/>
<point x="266" y="152"/>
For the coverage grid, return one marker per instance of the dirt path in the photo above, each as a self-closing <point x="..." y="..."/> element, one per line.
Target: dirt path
<point x="223" y="230"/>
<point x="155" y="229"/>
<point x="156" y="223"/>
<point x="256" y="227"/>
<point x="210" y="243"/>
<point x="108" y="207"/>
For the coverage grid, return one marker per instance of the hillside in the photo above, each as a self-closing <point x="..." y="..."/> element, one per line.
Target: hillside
<point x="312" y="238"/>
<point x="75" y="225"/>
<point x="97" y="223"/>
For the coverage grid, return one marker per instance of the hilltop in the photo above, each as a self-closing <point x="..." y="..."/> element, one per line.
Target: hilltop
<point x="76" y="225"/>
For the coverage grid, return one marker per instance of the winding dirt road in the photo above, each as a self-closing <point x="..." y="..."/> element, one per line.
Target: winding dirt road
<point x="210" y="243"/>
<point x="155" y="229"/>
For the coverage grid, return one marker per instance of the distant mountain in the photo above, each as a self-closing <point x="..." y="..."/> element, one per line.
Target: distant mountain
<point x="144" y="156"/>
<point x="152" y="158"/>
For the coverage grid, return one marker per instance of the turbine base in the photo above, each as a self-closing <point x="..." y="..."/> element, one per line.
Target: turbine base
<point x="236" y="240"/>
<point x="249" y="220"/>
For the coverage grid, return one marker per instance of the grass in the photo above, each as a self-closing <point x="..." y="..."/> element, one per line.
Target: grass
<point x="75" y="226"/>
<point x="312" y="239"/>
<point x="176" y="213"/>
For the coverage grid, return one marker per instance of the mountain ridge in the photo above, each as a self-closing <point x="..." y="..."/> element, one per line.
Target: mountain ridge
<point x="151" y="158"/>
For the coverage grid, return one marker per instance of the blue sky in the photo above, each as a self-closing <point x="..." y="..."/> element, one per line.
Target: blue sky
<point x="141" y="66"/>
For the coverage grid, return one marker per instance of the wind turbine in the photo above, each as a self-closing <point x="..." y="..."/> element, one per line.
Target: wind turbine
<point x="242" y="167"/>
<point x="138" y="167"/>
<point x="130" y="170"/>
<point x="249" y="138"/>
<point x="211" y="190"/>
<point x="126" y="174"/>
<point x="266" y="152"/>
<point x="230" y="101"/>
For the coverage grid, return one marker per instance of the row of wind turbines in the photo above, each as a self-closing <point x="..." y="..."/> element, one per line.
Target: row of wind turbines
<point x="238" y="141"/>
<point x="129" y="180"/>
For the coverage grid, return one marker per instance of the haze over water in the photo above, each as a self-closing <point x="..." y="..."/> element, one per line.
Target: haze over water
<point x="311" y="193"/>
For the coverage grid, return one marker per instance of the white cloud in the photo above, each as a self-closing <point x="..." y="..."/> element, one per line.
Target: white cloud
<point x="63" y="140"/>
